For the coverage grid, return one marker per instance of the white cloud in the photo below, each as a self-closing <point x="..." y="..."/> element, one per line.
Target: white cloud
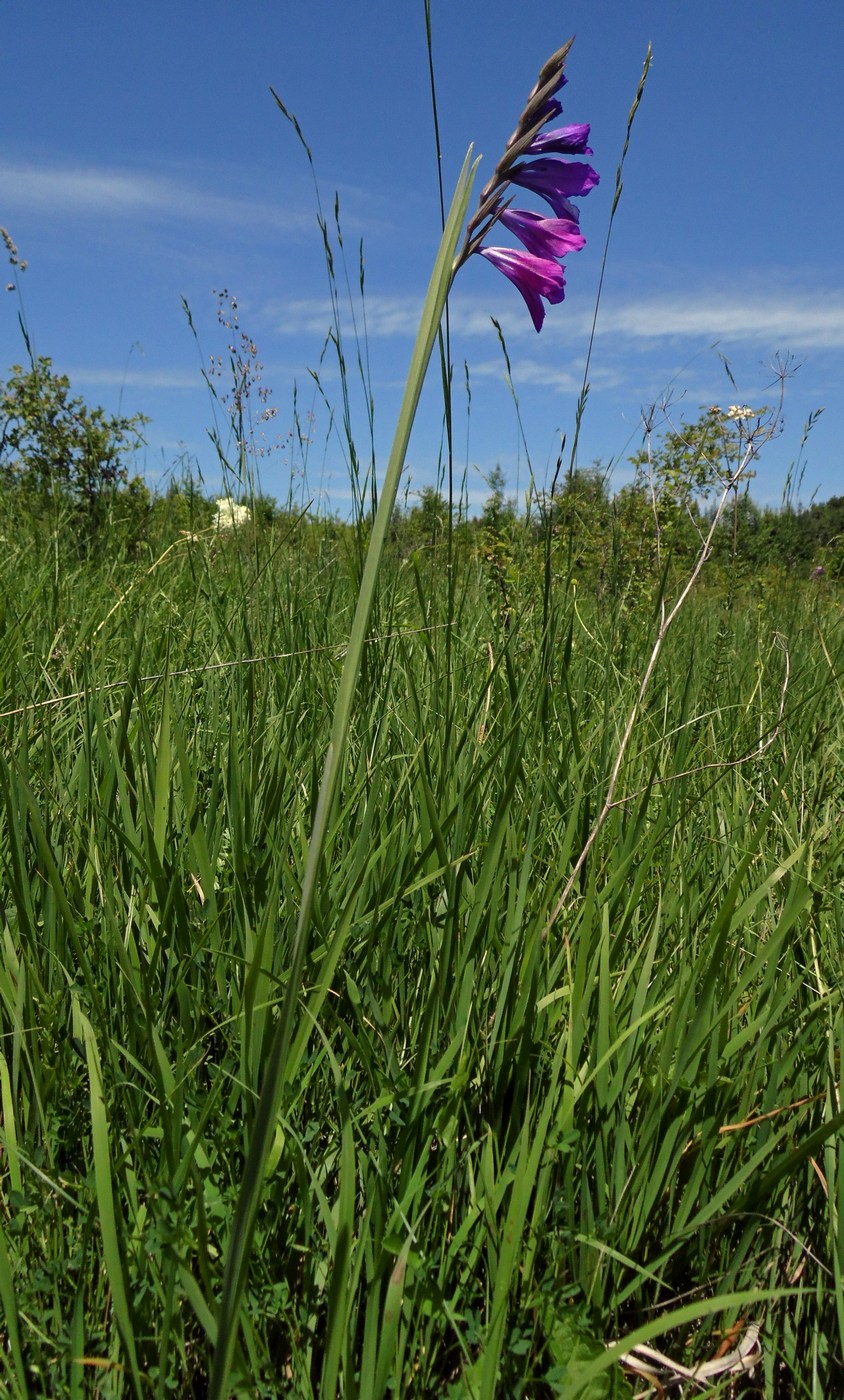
<point x="386" y="316"/>
<point x="811" y="321"/>
<point x="546" y="374"/>
<point x="138" y="378"/>
<point x="112" y="193"/>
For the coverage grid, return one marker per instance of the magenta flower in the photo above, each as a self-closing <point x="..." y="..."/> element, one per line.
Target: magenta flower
<point x="535" y="278"/>
<point x="536" y="272"/>
<point x="557" y="181"/>
<point x="563" y="141"/>
<point x="547" y="238"/>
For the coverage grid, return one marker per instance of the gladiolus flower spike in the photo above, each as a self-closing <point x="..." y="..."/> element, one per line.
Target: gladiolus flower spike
<point x="537" y="272"/>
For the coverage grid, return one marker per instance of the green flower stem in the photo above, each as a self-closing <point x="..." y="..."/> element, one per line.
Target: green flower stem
<point x="240" y="1240"/>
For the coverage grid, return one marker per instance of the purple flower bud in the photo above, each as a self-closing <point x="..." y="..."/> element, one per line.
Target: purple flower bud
<point x="550" y="109"/>
<point x="556" y="181"/>
<point x="535" y="278"/>
<point x="547" y="238"/>
<point x="562" y="141"/>
<point x="558" y="87"/>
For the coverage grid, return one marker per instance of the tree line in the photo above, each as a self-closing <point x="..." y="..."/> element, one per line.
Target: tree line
<point x="66" y="463"/>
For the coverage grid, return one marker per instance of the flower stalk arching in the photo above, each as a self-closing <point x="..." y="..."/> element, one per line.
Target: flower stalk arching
<point x="284" y="1054"/>
<point x="538" y="274"/>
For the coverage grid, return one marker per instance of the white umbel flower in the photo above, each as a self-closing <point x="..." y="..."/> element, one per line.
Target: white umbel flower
<point x="231" y="513"/>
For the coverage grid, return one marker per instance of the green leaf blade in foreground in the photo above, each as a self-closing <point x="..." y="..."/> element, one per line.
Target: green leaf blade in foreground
<point x="240" y="1238"/>
<point x="105" y="1199"/>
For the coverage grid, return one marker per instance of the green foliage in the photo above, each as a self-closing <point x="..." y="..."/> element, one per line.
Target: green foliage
<point x="498" y="532"/>
<point x="581" y="518"/>
<point x="570" y="1345"/>
<point x="497" y="1150"/>
<point x="57" y="451"/>
<point x="425" y="525"/>
<point x="498" y="1146"/>
<point x="67" y="463"/>
<point x="688" y="462"/>
<point x="499" y="513"/>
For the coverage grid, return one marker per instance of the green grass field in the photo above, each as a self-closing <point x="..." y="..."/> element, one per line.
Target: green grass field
<point x="505" y="1141"/>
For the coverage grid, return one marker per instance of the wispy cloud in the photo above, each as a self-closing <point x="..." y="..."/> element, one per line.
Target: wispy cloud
<point x="386" y="316"/>
<point x="112" y="193"/>
<point x="811" y="321"/>
<point x="814" y="320"/>
<point x="137" y="378"/>
<point x="546" y="374"/>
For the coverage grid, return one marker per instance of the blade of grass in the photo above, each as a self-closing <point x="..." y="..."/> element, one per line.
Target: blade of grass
<point x="10" y="1312"/>
<point x="240" y="1238"/>
<point x="104" y="1186"/>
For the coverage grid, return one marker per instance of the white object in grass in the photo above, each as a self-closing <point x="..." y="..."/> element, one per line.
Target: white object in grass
<point x="231" y="513"/>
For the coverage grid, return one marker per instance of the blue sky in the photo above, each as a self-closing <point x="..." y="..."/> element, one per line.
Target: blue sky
<point x="144" y="162"/>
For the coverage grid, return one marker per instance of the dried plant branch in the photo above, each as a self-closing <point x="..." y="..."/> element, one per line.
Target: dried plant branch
<point x="647" y="1362"/>
<point x="488" y="694"/>
<point x="720" y="764"/>
<point x="772" y="1113"/>
<point x="209" y="666"/>
<point x="752" y="444"/>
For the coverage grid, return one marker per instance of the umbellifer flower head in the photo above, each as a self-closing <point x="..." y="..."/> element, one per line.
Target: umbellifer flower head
<point x="537" y="272"/>
<point x="231" y="513"/>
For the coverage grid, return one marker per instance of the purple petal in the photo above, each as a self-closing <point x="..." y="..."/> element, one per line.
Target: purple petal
<point x="561" y="84"/>
<point x="562" y="141"/>
<point x="547" y="238"/>
<point x="550" y="109"/>
<point x="555" y="181"/>
<point x="535" y="278"/>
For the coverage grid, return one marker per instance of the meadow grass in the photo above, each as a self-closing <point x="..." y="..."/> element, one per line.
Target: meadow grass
<point x="421" y="973"/>
<point x="501" y="1144"/>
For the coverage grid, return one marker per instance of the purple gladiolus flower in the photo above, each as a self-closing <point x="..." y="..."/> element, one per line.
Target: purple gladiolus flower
<point x="537" y="272"/>
<point x="556" y="181"/>
<point x="547" y="238"/>
<point x="562" y="141"/>
<point x="535" y="278"/>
